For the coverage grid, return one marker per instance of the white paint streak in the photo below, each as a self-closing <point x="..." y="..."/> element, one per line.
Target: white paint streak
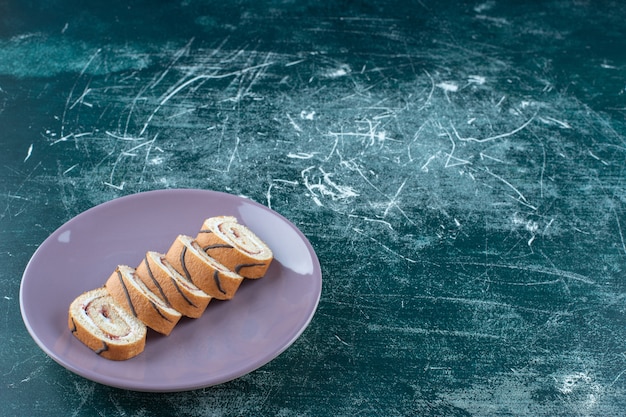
<point x="307" y="115"/>
<point x="29" y="152"/>
<point x="448" y="86"/>
<point x="495" y="137"/>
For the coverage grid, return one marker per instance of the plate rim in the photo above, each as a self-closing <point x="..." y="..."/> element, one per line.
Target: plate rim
<point x="117" y="382"/>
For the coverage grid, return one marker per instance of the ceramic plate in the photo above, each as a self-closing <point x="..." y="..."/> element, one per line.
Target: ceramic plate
<point x="231" y="338"/>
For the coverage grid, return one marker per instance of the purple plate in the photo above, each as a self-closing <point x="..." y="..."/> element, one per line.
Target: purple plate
<point x="231" y="339"/>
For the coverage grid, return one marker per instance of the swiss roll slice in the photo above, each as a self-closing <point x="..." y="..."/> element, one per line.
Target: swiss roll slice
<point x="235" y="246"/>
<point x="107" y="328"/>
<point x="174" y="288"/>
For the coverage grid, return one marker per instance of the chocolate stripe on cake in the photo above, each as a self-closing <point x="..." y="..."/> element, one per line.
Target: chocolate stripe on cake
<point x="182" y="294"/>
<point x="158" y="310"/>
<point x="216" y="278"/>
<point x="239" y="267"/>
<point x="217" y="246"/>
<point x="183" y="264"/>
<point x="154" y="280"/>
<point x="130" y="303"/>
<point x="103" y="349"/>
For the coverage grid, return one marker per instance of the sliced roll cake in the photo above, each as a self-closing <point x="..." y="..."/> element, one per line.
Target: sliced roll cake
<point x="107" y="328"/>
<point x="235" y="246"/>
<point x="190" y="260"/>
<point x="129" y="291"/>
<point x="175" y="289"/>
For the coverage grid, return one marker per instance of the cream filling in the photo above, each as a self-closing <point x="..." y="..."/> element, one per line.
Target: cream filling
<point x="101" y="317"/>
<point x="107" y="318"/>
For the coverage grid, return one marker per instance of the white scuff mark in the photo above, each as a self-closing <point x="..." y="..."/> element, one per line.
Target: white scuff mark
<point x="551" y="120"/>
<point x="63" y="139"/>
<point x="545" y="229"/>
<point x="307" y="115"/>
<point x="448" y="86"/>
<point x="393" y="202"/>
<point x="202" y="77"/>
<point x="326" y="187"/>
<point x="305" y="177"/>
<point x="452" y="161"/>
<point x="29" y="152"/>
<point x="157" y="160"/>
<point x="582" y="383"/>
<point x="301" y="155"/>
<point x="69" y="169"/>
<point x="338" y="338"/>
<point x="80" y="100"/>
<point x="233" y="154"/>
<point x="289" y="64"/>
<point x="181" y="113"/>
<point x="7" y="297"/>
<point x="483" y="7"/>
<point x="268" y="193"/>
<point x="367" y="219"/>
<point x="127" y="138"/>
<point x="67" y="25"/>
<point x="520" y="198"/>
<point x="71" y="135"/>
<point x="374" y="136"/>
<point x="476" y="79"/>
<point x="290" y="182"/>
<point x="293" y="123"/>
<point x="614" y="380"/>
<point x="532" y="226"/>
<point x="498" y="21"/>
<point x="619" y="229"/>
<point x="71" y="94"/>
<point x="342" y="191"/>
<point x="597" y="158"/>
<point x="117" y="187"/>
<point x="484" y="156"/>
<point x="341" y="71"/>
<point x="495" y="137"/>
<point x="424" y="167"/>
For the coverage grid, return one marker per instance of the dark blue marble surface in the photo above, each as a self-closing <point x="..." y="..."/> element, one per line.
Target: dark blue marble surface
<point x="459" y="167"/>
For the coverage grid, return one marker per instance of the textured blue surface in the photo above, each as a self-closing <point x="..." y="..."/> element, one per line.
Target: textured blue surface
<point x="459" y="168"/>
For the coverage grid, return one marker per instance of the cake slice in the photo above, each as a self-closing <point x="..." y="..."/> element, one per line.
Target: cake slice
<point x="175" y="289"/>
<point x="190" y="260"/>
<point x="129" y="291"/>
<point x="235" y="246"/>
<point x="103" y="325"/>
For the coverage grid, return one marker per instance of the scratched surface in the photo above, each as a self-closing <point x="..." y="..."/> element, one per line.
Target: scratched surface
<point x="459" y="167"/>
